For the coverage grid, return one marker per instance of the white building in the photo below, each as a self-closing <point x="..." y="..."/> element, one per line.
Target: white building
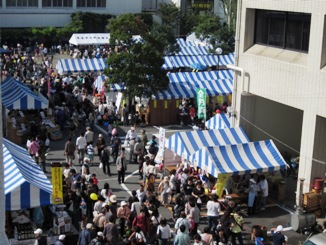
<point x="44" y="13"/>
<point x="281" y="51"/>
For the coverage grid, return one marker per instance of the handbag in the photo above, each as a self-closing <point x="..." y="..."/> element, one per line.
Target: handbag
<point x="101" y="165"/>
<point x="199" y="200"/>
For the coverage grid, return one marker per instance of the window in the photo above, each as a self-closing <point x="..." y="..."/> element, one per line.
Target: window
<point x="91" y="3"/>
<point x="22" y="3"/>
<point x="287" y="30"/>
<point x="56" y="3"/>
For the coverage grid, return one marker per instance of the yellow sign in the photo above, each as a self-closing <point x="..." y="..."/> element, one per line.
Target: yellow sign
<point x="220" y="184"/>
<point x="177" y="103"/>
<point x="57" y="195"/>
<point x="155" y="103"/>
<point x="165" y="104"/>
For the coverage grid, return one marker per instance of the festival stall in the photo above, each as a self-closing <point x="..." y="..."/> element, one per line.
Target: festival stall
<point x="187" y="143"/>
<point x="28" y="192"/>
<point x="239" y="159"/>
<point x="18" y="99"/>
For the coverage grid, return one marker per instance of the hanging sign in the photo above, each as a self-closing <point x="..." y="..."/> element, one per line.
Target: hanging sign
<point x="201" y="102"/>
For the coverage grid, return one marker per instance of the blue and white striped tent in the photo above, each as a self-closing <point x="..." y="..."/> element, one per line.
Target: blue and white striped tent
<point x="194" y="50"/>
<point x="201" y="76"/>
<point x="218" y="121"/>
<point x="184" y="43"/>
<point x="99" y="82"/>
<point x="17" y="96"/>
<point x="178" y="61"/>
<point x="187" y="143"/>
<point x="237" y="159"/>
<point x="80" y="65"/>
<point x="187" y="89"/>
<point x="25" y="184"/>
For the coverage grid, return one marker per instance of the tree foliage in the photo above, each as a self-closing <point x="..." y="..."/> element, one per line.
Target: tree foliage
<point x="137" y="64"/>
<point x="218" y="35"/>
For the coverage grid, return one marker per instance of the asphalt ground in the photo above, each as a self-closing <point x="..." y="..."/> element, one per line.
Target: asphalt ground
<point x="275" y="214"/>
<point x="271" y="217"/>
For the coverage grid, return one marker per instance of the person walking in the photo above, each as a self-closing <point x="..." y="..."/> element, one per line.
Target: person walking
<point x="121" y="164"/>
<point x="100" y="144"/>
<point x="111" y="232"/>
<point x="105" y="158"/>
<point x="115" y="147"/>
<point x="81" y="145"/>
<point x="213" y="212"/>
<point x="89" y="135"/>
<point x="85" y="235"/>
<point x="182" y="238"/>
<point x="123" y="214"/>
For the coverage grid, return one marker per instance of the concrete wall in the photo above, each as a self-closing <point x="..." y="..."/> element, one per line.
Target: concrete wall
<point x="58" y="17"/>
<point x="262" y="118"/>
<point x="291" y="78"/>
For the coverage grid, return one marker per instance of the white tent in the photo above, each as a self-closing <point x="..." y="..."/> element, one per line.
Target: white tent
<point x="94" y="38"/>
<point x="90" y="39"/>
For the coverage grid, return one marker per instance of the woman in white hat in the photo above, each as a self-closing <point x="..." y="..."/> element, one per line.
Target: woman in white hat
<point x="60" y="240"/>
<point x="252" y="193"/>
<point x="123" y="214"/>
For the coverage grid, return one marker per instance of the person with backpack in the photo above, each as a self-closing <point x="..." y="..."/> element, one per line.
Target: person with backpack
<point x="236" y="226"/>
<point x="98" y="240"/>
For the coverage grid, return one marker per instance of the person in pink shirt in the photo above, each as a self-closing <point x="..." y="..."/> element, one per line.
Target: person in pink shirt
<point x="34" y="148"/>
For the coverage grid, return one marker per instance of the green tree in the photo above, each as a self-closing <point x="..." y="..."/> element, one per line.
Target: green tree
<point x="218" y="35"/>
<point x="137" y="64"/>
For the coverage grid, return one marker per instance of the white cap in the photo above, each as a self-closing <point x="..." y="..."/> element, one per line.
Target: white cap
<point x="100" y="233"/>
<point x="123" y="203"/>
<point x="279" y="228"/>
<point x="38" y="231"/>
<point x="89" y="226"/>
<point x="62" y="237"/>
<point x="252" y="181"/>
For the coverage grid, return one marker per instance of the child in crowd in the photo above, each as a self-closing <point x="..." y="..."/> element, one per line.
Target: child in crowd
<point x="95" y="180"/>
<point x="90" y="153"/>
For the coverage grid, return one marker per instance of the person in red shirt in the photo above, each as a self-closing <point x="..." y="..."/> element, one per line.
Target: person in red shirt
<point x="192" y="113"/>
<point x="95" y="180"/>
<point x="142" y="221"/>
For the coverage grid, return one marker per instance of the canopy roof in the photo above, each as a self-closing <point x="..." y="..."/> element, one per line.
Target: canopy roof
<point x="25" y="184"/>
<point x="187" y="143"/>
<point x="184" y="84"/>
<point x="94" y="38"/>
<point x="219" y="121"/>
<point x="80" y="65"/>
<point x="178" y="61"/>
<point x="17" y="96"/>
<point x="237" y="159"/>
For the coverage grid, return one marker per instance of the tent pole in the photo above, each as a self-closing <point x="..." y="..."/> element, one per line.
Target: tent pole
<point x="3" y="235"/>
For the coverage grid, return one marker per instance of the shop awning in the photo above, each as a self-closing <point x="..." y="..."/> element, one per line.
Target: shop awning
<point x="26" y="186"/>
<point x="219" y="121"/>
<point x="247" y="158"/>
<point x="17" y="96"/>
<point x="184" y="43"/>
<point x="187" y="143"/>
<point x="178" y="61"/>
<point x="200" y="76"/>
<point x="80" y="65"/>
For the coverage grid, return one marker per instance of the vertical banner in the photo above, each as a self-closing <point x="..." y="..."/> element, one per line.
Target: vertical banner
<point x="57" y="195"/>
<point x="201" y="102"/>
<point x="155" y="103"/>
<point x="177" y="103"/>
<point x="161" y="138"/>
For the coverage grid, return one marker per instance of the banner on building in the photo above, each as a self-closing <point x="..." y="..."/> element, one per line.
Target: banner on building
<point x="201" y="103"/>
<point x="57" y="194"/>
<point x="161" y="142"/>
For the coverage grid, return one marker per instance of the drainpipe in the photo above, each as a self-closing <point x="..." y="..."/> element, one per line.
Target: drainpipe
<point x="234" y="92"/>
